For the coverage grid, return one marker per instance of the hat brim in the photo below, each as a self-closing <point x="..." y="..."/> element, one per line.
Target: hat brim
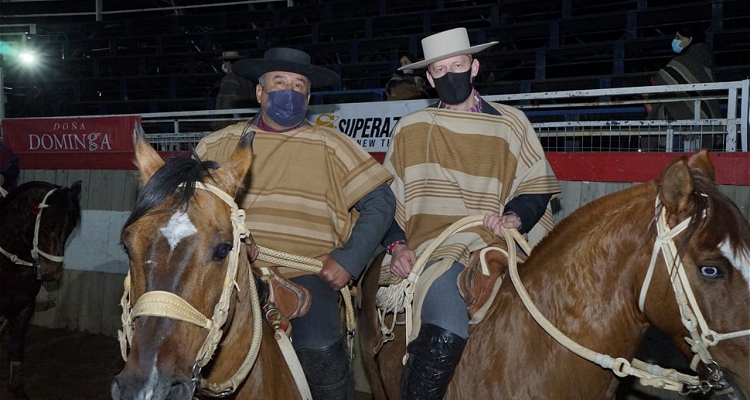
<point x="426" y="63"/>
<point x="255" y="68"/>
<point x="230" y="58"/>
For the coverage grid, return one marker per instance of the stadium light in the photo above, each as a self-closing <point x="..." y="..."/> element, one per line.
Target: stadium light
<point x="27" y="58"/>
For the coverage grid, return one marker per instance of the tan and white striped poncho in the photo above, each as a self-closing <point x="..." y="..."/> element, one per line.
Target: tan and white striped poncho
<point x="303" y="185"/>
<point x="450" y="164"/>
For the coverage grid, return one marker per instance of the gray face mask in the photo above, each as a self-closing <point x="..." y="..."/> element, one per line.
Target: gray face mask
<point x="454" y="87"/>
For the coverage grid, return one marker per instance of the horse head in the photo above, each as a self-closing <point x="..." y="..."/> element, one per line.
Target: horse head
<point x="701" y="296"/>
<point x="181" y="241"/>
<point x="40" y="217"/>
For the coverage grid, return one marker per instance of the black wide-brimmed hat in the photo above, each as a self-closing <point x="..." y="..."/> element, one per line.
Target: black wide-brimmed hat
<point x="289" y="60"/>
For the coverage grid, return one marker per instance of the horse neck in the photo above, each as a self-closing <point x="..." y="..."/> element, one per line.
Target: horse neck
<point x="593" y="266"/>
<point x="17" y="219"/>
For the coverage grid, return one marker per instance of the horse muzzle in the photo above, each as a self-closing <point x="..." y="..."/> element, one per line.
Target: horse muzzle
<point x="129" y="387"/>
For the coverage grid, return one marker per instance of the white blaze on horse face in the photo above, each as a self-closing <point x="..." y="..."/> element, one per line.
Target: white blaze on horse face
<point x="741" y="260"/>
<point x="178" y="228"/>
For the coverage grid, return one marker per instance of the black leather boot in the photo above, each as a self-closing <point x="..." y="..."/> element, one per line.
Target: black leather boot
<point x="433" y="357"/>
<point x="328" y="372"/>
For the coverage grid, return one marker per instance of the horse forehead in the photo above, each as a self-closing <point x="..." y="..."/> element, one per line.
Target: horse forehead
<point x="177" y="228"/>
<point x="740" y="258"/>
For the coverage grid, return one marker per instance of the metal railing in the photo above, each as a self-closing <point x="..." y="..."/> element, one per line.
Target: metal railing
<point x="182" y="130"/>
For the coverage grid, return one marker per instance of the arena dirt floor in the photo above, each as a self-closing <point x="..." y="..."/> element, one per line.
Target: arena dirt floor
<point x="66" y="365"/>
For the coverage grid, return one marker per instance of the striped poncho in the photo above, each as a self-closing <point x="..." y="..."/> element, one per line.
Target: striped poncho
<point x="303" y="185"/>
<point x="451" y="164"/>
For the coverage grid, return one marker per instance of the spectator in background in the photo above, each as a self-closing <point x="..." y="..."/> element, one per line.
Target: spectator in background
<point x="234" y="91"/>
<point x="693" y="63"/>
<point x="406" y="84"/>
<point x="8" y="168"/>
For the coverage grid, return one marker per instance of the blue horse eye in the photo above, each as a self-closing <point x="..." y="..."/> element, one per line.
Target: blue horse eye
<point x="710" y="272"/>
<point x="222" y="251"/>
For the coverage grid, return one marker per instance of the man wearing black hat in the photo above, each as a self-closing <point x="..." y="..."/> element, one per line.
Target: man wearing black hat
<point x="311" y="191"/>
<point x="234" y="91"/>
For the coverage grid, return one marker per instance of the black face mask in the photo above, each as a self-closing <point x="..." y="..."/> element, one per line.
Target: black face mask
<point x="454" y="87"/>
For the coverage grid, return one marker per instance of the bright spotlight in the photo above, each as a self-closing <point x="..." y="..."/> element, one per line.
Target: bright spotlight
<point x="27" y="58"/>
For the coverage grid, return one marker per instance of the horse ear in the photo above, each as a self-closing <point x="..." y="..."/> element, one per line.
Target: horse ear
<point x="232" y="172"/>
<point x="675" y="185"/>
<point x="76" y="188"/>
<point x="701" y="162"/>
<point x="147" y="159"/>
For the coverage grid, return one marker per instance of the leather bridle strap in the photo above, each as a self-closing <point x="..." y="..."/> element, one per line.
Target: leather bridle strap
<point x="170" y="305"/>
<point x="35" y="250"/>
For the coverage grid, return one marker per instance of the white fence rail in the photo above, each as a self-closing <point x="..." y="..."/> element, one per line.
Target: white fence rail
<point x="582" y="127"/>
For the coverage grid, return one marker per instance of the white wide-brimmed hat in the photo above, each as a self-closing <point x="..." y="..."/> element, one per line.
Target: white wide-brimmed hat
<point x="229" y="56"/>
<point x="444" y="45"/>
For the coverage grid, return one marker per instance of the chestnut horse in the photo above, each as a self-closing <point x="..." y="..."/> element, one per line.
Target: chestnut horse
<point x="187" y="262"/>
<point x="36" y="220"/>
<point x="586" y="277"/>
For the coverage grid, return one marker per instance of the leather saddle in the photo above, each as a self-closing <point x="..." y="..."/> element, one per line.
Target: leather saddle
<point x="480" y="281"/>
<point x="281" y="299"/>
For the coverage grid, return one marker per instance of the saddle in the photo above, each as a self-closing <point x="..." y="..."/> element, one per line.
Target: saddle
<point x="480" y="281"/>
<point x="282" y="300"/>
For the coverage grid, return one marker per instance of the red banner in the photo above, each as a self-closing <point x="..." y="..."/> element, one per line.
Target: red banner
<point x="71" y="143"/>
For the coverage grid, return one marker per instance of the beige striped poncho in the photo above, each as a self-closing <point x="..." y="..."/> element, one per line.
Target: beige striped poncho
<point x="303" y="185"/>
<point x="450" y="164"/>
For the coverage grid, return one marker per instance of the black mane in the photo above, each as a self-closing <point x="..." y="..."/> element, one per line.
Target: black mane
<point x="166" y="182"/>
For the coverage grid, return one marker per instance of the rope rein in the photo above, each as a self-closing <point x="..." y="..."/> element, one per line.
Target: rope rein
<point x="169" y="305"/>
<point x="398" y="298"/>
<point x="276" y="257"/>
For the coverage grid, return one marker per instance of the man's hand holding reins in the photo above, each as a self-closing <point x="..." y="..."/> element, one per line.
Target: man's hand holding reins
<point x="495" y="223"/>
<point x="252" y="249"/>
<point x="333" y="273"/>
<point x="402" y="260"/>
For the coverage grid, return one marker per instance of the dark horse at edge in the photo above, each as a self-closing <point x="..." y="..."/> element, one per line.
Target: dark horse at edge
<point x="36" y="220"/>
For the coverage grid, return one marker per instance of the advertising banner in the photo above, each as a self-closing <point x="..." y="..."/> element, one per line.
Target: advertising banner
<point x="71" y="142"/>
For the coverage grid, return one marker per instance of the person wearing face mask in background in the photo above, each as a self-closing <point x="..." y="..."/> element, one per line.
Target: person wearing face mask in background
<point x="234" y="91"/>
<point x="461" y="156"/>
<point x="692" y="63"/>
<point x="406" y="84"/>
<point x="311" y="191"/>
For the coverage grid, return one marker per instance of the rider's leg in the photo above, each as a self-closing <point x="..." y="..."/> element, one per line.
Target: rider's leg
<point x="436" y="351"/>
<point x="320" y="345"/>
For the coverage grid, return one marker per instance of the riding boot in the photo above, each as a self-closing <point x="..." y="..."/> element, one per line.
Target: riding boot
<point x="328" y="371"/>
<point x="15" y="381"/>
<point x="433" y="357"/>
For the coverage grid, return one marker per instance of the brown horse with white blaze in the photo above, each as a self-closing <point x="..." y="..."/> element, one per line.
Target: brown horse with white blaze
<point x="181" y="239"/>
<point x="586" y="277"/>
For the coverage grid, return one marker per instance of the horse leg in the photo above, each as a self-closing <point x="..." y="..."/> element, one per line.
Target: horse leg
<point x="369" y="331"/>
<point x="17" y="329"/>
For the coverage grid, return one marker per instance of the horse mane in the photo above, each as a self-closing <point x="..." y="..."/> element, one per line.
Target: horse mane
<point x="723" y="221"/>
<point x="176" y="171"/>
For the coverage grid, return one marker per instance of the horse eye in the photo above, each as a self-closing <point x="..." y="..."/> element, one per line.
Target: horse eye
<point x="711" y="272"/>
<point x="125" y="249"/>
<point x="222" y="251"/>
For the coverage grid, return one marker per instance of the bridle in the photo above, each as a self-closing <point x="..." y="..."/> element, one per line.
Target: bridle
<point x="692" y="319"/>
<point x="164" y="304"/>
<point x="701" y="336"/>
<point x="35" y="250"/>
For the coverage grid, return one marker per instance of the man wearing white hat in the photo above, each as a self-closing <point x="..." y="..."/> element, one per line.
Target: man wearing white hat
<point x="461" y="156"/>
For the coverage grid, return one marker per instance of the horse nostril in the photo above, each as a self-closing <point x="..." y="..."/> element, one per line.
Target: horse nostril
<point x="115" y="389"/>
<point x="181" y="390"/>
